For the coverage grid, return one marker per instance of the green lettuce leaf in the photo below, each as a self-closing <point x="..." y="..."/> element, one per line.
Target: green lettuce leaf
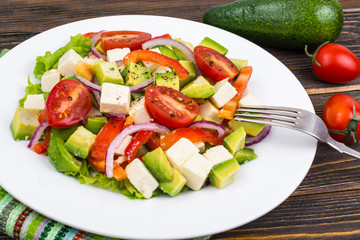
<point x="31" y="89"/>
<point x="88" y="175"/>
<point x="78" y="43"/>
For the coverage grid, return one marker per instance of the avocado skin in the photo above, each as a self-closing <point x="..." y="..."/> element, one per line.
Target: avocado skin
<point x="284" y="24"/>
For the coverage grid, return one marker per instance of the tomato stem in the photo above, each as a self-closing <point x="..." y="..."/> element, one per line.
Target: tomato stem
<point x="313" y="56"/>
<point x="350" y="131"/>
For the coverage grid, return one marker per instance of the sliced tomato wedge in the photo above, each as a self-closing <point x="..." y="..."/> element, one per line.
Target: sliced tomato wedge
<point x="213" y="64"/>
<point x="154" y="141"/>
<point x="103" y="139"/>
<point x="42" y="146"/>
<point x="170" y="107"/>
<point x="123" y="39"/>
<point x="139" y="139"/>
<point x="68" y="103"/>
<point x="195" y="135"/>
<point x="151" y="56"/>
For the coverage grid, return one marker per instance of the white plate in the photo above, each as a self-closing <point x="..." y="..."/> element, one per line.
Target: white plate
<point x="283" y="160"/>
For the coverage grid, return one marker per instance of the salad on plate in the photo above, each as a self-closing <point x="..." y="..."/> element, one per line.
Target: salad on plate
<point x="141" y="115"/>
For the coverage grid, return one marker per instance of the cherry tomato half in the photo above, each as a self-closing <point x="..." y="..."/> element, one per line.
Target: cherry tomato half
<point x="214" y="65"/>
<point x="335" y="63"/>
<point x="68" y="103"/>
<point x="170" y="107"/>
<point x="124" y="39"/>
<point x="339" y="117"/>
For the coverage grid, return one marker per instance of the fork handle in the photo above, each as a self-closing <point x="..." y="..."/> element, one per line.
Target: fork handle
<point x="343" y="148"/>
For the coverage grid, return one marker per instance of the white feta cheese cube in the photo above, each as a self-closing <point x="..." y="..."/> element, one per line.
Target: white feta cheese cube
<point x="117" y="54"/>
<point x="120" y="150"/>
<point x="217" y="154"/>
<point x="151" y="65"/>
<point x="115" y="98"/>
<point x="120" y="159"/>
<point x="161" y="69"/>
<point x="250" y="99"/>
<point x="35" y="101"/>
<point x="181" y="151"/>
<point x="49" y="79"/>
<point x="138" y="111"/>
<point x="209" y="111"/>
<point x="224" y="93"/>
<point x="141" y="178"/>
<point x="67" y="63"/>
<point x="195" y="170"/>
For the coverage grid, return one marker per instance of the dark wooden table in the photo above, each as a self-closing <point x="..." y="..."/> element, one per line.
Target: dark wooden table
<point x="327" y="203"/>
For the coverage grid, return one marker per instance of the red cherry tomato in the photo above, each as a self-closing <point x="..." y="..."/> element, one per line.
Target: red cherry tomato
<point x="214" y="65"/>
<point x="123" y="39"/>
<point x="335" y="63"/>
<point x="170" y="107"/>
<point x="340" y="118"/>
<point x="67" y="104"/>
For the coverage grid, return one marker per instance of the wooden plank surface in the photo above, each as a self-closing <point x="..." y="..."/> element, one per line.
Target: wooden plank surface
<point x="326" y="205"/>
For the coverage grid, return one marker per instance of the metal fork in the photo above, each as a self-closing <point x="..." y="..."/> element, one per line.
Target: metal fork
<point x="292" y="118"/>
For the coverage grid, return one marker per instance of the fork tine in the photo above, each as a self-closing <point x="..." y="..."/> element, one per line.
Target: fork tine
<point x="269" y="110"/>
<point x="266" y="122"/>
<point x="287" y="119"/>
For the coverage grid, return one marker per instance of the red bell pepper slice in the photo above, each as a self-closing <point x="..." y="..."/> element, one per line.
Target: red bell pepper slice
<point x="195" y="135"/>
<point x="139" y="139"/>
<point x="151" y="56"/>
<point x="103" y="139"/>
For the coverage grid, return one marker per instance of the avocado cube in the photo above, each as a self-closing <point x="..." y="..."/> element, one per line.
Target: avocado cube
<point x="80" y="142"/>
<point x="179" y="54"/>
<point x="210" y="43"/>
<point x="252" y="129"/>
<point x="245" y="155"/>
<point x="94" y="124"/>
<point x="24" y="123"/>
<point x="164" y="50"/>
<point x="64" y="133"/>
<point x="235" y="140"/>
<point x="239" y="63"/>
<point x="157" y="163"/>
<point x="100" y="48"/>
<point x="199" y="88"/>
<point x="168" y="79"/>
<point x="190" y="68"/>
<point x="60" y="158"/>
<point x="136" y="73"/>
<point x="107" y="72"/>
<point x="224" y="173"/>
<point x="174" y="187"/>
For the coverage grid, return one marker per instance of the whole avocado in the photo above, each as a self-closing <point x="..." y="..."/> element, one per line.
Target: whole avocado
<point x="285" y="24"/>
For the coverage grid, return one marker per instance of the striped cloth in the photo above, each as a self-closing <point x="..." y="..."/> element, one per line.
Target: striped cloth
<point x="20" y="222"/>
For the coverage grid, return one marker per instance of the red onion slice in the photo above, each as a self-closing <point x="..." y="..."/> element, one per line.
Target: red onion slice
<point x="98" y="54"/>
<point x="120" y="138"/>
<point x="87" y="83"/>
<point x="170" y="42"/>
<point x="116" y="116"/>
<point x="210" y="125"/>
<point x="250" y="140"/>
<point x="141" y="86"/>
<point x="37" y="134"/>
<point x="95" y="37"/>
